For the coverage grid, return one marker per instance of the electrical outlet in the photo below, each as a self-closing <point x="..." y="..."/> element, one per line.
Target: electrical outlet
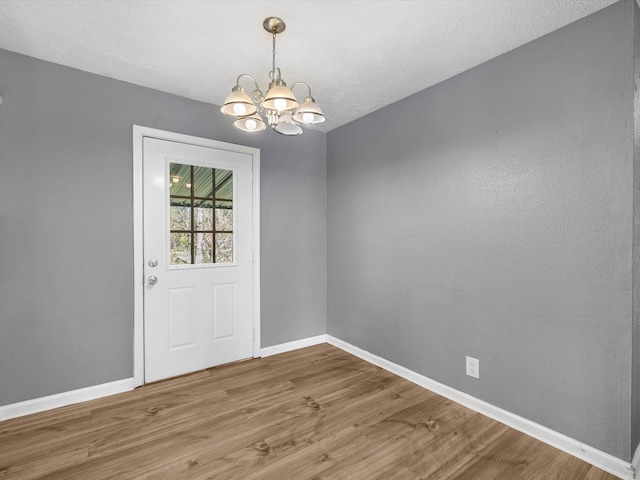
<point x="473" y="367"/>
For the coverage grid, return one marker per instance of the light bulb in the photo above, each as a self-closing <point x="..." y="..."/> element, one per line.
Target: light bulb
<point x="307" y="117"/>
<point x="280" y="104"/>
<point x="188" y="185"/>
<point x="175" y="179"/>
<point x="239" y="108"/>
<point x="251" y="124"/>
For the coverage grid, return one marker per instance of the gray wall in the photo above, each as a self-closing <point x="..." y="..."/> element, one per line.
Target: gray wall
<point x="491" y="216"/>
<point x="66" y="236"/>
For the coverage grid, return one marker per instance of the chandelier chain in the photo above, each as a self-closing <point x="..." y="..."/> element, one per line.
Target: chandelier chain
<point x="273" y="65"/>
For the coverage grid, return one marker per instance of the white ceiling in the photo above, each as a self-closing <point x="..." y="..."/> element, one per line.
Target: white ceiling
<point x="357" y="55"/>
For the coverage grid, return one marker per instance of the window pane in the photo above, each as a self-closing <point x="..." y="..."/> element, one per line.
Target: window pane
<point x="224" y="184"/>
<point x="180" y="214"/>
<point x="180" y="179"/>
<point x="203" y="248"/>
<point x="203" y="215"/>
<point x="180" y="248"/>
<point x="224" y="247"/>
<point x="203" y="182"/>
<point x="224" y="216"/>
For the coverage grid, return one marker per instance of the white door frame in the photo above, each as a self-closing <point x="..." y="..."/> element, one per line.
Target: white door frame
<point x="139" y="133"/>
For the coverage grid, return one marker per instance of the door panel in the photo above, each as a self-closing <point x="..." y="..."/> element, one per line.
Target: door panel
<point x="181" y="317"/>
<point x="223" y="312"/>
<point x="198" y="247"/>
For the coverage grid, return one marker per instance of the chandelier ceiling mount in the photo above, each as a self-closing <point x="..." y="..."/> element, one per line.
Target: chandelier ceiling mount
<point x="274" y="24"/>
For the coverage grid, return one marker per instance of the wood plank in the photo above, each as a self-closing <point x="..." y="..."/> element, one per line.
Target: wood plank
<point x="455" y="447"/>
<point x="597" y="474"/>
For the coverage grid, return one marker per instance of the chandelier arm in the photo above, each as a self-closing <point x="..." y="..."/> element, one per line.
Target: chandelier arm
<point x="275" y="75"/>
<point x="257" y="97"/>
<point x="248" y="76"/>
<point x="302" y="83"/>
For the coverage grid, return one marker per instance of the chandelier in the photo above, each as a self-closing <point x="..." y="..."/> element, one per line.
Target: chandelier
<point x="279" y="107"/>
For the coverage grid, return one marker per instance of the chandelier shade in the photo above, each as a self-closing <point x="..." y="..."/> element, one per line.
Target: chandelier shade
<point x="279" y="98"/>
<point x="279" y="107"/>
<point x="252" y="123"/>
<point x="286" y="125"/>
<point x="238" y="103"/>
<point x="309" y="113"/>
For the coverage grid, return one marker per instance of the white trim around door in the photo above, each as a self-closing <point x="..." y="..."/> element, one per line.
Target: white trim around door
<point x="139" y="133"/>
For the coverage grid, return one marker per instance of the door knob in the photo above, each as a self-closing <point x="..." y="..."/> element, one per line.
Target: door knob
<point x="153" y="263"/>
<point x="152" y="280"/>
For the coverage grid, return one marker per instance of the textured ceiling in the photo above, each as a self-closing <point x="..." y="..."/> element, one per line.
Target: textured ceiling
<point x="357" y="55"/>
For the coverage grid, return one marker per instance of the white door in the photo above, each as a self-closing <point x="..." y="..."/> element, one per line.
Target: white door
<point x="198" y="309"/>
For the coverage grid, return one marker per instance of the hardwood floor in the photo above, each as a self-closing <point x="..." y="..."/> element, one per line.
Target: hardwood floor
<point x="316" y="413"/>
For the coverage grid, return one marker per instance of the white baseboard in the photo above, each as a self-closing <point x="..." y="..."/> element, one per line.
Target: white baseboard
<point x="66" y="398"/>
<point x="596" y="457"/>
<point x="296" y="344"/>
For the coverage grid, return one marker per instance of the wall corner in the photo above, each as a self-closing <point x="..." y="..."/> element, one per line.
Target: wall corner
<point x="635" y="347"/>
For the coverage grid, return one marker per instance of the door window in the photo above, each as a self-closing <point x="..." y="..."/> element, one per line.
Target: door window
<point x="201" y="215"/>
